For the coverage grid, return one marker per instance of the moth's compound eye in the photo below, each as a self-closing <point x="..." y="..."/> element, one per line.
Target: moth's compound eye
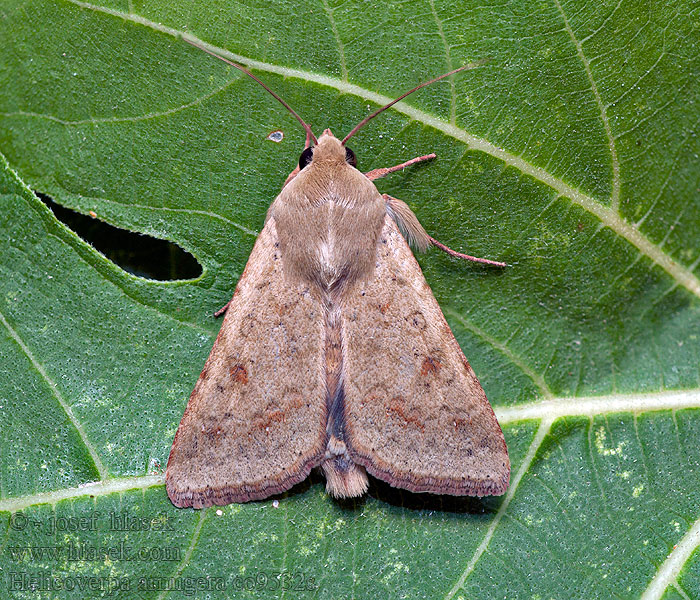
<point x="350" y="157"/>
<point x="305" y="157"/>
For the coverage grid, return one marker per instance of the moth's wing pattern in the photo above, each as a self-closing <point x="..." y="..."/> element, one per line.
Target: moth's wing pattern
<point x="415" y="414"/>
<point x="255" y="422"/>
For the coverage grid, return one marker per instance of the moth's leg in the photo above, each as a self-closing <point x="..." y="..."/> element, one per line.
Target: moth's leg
<point x="291" y="176"/>
<point x="483" y="261"/>
<point x="377" y="173"/>
<point x="295" y="172"/>
<point x="417" y="236"/>
<point x="223" y="309"/>
<point x="408" y="223"/>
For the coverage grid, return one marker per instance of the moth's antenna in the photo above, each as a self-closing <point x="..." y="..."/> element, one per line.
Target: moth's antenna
<point x="362" y="123"/>
<point x="309" y="133"/>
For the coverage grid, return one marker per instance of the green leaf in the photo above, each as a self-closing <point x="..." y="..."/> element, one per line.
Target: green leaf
<point x="572" y="155"/>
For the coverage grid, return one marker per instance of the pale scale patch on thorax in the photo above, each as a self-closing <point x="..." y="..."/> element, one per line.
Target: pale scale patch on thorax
<point x="329" y="219"/>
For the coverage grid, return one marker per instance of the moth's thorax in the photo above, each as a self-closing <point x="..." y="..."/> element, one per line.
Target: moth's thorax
<point x="328" y="219"/>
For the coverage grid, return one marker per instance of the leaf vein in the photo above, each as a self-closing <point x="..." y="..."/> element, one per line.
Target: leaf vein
<point x="615" y="195"/>
<point x="448" y="60"/>
<point x="591" y="406"/>
<point x="671" y="567"/>
<point x="537" y="379"/>
<point x="338" y="41"/>
<point x="188" y="554"/>
<point x="102" y="471"/>
<point x="542" y="432"/>
<point x="131" y="119"/>
<point x="96" y="488"/>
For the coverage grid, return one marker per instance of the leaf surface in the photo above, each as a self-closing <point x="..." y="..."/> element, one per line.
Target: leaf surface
<point x="572" y="155"/>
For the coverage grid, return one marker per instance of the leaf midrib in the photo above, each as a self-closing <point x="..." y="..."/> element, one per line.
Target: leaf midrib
<point x="607" y="215"/>
<point x="545" y="410"/>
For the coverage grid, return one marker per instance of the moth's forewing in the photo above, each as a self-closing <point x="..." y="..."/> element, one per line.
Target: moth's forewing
<point x="255" y="422"/>
<point x="415" y="413"/>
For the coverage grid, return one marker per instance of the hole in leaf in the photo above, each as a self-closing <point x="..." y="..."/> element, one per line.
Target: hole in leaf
<point x="139" y="254"/>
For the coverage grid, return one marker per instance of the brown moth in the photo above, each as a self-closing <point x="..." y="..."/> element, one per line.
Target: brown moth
<point x="334" y="353"/>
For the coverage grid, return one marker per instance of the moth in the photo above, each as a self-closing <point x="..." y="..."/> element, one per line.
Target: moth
<point x="334" y="353"/>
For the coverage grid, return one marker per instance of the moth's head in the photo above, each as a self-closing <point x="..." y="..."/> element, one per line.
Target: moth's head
<point x="328" y="149"/>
